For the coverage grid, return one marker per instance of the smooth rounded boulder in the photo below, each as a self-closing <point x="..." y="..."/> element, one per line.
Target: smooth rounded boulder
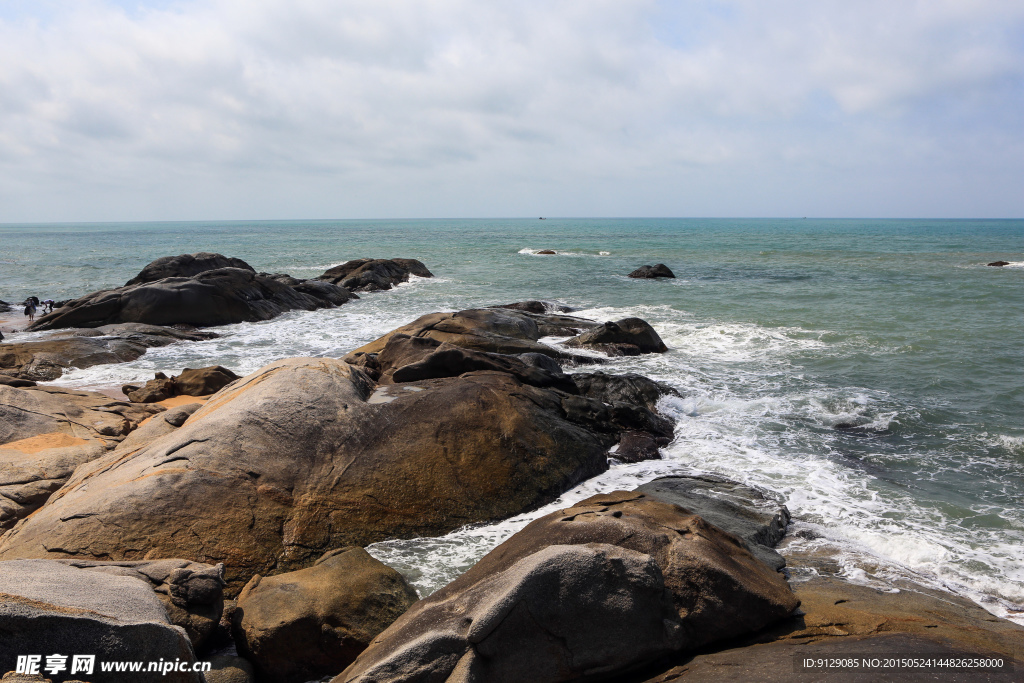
<point x="594" y="590"/>
<point x="185" y="265"/>
<point x="309" y="454"/>
<point x="303" y="625"/>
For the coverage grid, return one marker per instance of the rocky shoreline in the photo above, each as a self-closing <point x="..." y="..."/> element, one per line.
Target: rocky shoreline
<point x="137" y="532"/>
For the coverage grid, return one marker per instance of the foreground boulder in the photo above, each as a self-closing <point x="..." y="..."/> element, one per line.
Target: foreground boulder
<point x="213" y="297"/>
<point x="49" y="607"/>
<point x="840" y="620"/>
<point x="314" y="622"/>
<point x="372" y="275"/>
<point x="191" y="382"/>
<point x="594" y="590"/>
<point x="659" y="270"/>
<point x="47" y="359"/>
<point x="191" y="592"/>
<point x="309" y="454"/>
<point x="626" y="337"/>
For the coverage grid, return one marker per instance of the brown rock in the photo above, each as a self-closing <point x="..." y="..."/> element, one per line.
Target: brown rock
<point x="306" y="455"/>
<point x="303" y="625"/>
<point x="594" y="590"/>
<point x="492" y="330"/>
<point x="202" y="381"/>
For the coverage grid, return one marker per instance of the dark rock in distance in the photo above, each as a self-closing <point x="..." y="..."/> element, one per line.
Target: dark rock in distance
<point x="999" y="264"/>
<point x="547" y="252"/>
<point x="372" y="275"/>
<point x="302" y="625"/>
<point x="185" y="265"/>
<point x="595" y="590"/>
<point x="213" y="297"/>
<point x="659" y="270"/>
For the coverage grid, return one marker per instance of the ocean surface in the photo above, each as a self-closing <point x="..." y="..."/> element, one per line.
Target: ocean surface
<point x="779" y="332"/>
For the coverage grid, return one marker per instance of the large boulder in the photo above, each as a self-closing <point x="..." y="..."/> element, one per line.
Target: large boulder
<point x="372" y="275"/>
<point x="191" y="592"/>
<point x="493" y="330"/>
<point x="185" y="265"/>
<point x="626" y="337"/>
<point x="310" y="623"/>
<point x="34" y="467"/>
<point x="213" y="297"/>
<point x="659" y="270"/>
<point x="591" y="591"/>
<point x="309" y="454"/>
<point x="47" y="359"/>
<point x="49" y="607"/>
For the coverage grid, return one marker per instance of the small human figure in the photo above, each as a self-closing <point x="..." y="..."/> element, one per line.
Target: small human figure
<point x="30" y="309"/>
<point x="48" y="306"/>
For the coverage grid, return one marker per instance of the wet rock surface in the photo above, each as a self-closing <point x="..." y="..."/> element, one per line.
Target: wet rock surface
<point x="650" y="272"/>
<point x="758" y="520"/>
<point x="626" y="337"/>
<point x="597" y="589"/>
<point x="303" y="625"/>
<point x="372" y="275"/>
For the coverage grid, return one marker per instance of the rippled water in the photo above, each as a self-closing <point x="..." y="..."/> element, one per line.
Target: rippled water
<point x="780" y="332"/>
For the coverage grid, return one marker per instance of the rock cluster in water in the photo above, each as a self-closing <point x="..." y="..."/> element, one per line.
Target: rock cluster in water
<point x="137" y="532"/>
<point x="650" y="272"/>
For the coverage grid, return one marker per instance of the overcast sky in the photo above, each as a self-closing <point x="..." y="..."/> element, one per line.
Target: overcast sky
<point x="275" y="109"/>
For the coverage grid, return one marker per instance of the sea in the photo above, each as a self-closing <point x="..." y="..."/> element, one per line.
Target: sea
<point x="869" y="373"/>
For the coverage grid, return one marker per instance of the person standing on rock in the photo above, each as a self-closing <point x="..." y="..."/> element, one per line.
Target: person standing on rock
<point x="30" y="309"/>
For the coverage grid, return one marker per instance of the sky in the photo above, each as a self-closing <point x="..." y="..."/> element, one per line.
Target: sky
<point x="298" y="109"/>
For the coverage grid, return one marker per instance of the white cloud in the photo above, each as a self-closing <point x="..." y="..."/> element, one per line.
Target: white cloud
<point x="307" y="108"/>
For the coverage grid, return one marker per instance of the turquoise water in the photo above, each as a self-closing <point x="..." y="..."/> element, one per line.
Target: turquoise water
<point x="779" y="331"/>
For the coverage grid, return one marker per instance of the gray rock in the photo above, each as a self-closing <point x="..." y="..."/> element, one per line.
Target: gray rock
<point x="626" y="337"/>
<point x="745" y="512"/>
<point x="212" y="297"/>
<point x="48" y="607"/>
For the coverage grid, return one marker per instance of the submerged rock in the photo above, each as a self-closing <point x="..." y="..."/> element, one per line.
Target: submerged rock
<point x="659" y="270"/>
<point x="537" y="307"/>
<point x="372" y="275"/>
<point x="50" y="607"/>
<point x="999" y="264"/>
<point x="313" y="622"/>
<point x="591" y="591"/>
